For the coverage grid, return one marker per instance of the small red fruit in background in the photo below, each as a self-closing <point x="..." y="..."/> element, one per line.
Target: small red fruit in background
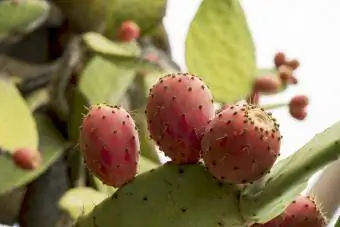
<point x="297" y="107"/>
<point x="26" y="158"/>
<point x="128" y="31"/>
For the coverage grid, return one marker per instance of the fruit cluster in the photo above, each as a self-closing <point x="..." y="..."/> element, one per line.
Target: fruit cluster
<point x="238" y="144"/>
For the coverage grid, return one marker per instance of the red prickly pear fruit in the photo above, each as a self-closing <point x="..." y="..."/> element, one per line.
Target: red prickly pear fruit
<point x="26" y="158"/>
<point x="128" y="31"/>
<point x="267" y="84"/>
<point x="299" y="101"/>
<point x="297" y="106"/>
<point x="298" y="114"/>
<point x="294" y="64"/>
<point x="179" y="108"/>
<point x="302" y="212"/>
<point x="286" y="75"/>
<point x="241" y="144"/>
<point x="110" y="144"/>
<point x="279" y="59"/>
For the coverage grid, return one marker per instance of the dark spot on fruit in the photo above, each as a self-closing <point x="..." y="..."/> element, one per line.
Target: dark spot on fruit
<point x="200" y="107"/>
<point x="165" y="87"/>
<point x="232" y="107"/>
<point x="127" y="116"/>
<point x="117" y="166"/>
<point x="115" y="196"/>
<point x="161" y="81"/>
<point x="202" y="86"/>
<point x="190" y="89"/>
<point x="179" y="80"/>
<point x="244" y="181"/>
<point x="220" y="115"/>
<point x="222" y="177"/>
<point x="213" y="163"/>
<point x="123" y="122"/>
<point x="173" y="76"/>
<point x="220" y="223"/>
<point x="236" y="167"/>
<point x="212" y="101"/>
<point x="228" y="122"/>
<point x="192" y="78"/>
<point x="174" y="98"/>
<point x="183" y="210"/>
<point x="235" y="113"/>
<point x="114" y="131"/>
<point x="145" y="198"/>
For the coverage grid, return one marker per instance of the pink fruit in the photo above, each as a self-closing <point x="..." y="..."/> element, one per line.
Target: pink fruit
<point x="128" y="31"/>
<point x="178" y="110"/>
<point x="110" y="144"/>
<point x="26" y="158"/>
<point x="267" y="84"/>
<point x="302" y="212"/>
<point x="299" y="101"/>
<point x="297" y="107"/>
<point x="241" y="144"/>
<point x="279" y="59"/>
<point x="294" y="64"/>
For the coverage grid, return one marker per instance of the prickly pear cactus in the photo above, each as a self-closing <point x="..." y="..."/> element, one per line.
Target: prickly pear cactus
<point x="92" y="100"/>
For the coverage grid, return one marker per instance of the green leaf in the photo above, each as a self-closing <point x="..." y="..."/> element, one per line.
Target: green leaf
<point x="102" y="81"/>
<point x="51" y="146"/>
<point x="21" y="17"/>
<point x="80" y="201"/>
<point x="267" y="198"/>
<point x="219" y="49"/>
<point x="100" y="44"/>
<point x="17" y="126"/>
<point x="144" y="165"/>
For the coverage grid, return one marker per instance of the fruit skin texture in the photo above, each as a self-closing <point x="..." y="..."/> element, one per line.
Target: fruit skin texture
<point x="110" y="144"/>
<point x="26" y="158"/>
<point x="128" y="31"/>
<point x="241" y="144"/>
<point x="178" y="110"/>
<point x="302" y="212"/>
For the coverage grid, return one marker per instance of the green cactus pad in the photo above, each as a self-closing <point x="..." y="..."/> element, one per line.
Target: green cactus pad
<point x="268" y="198"/>
<point x="21" y="17"/>
<point x="80" y="201"/>
<point x="17" y="126"/>
<point x="219" y="49"/>
<point x="51" y="146"/>
<point x="169" y="196"/>
<point x="102" y="45"/>
<point x="107" y="15"/>
<point x="102" y="81"/>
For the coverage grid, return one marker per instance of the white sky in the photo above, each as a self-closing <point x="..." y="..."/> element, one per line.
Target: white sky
<point x="305" y="29"/>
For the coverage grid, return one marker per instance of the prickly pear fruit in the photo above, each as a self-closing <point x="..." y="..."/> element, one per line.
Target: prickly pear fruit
<point x="178" y="110"/>
<point x="294" y="64"/>
<point x="297" y="107"/>
<point x="241" y="144"/>
<point x="128" y="31"/>
<point x="302" y="212"/>
<point x="26" y="158"/>
<point x="267" y="84"/>
<point x="279" y="59"/>
<point x="110" y="144"/>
